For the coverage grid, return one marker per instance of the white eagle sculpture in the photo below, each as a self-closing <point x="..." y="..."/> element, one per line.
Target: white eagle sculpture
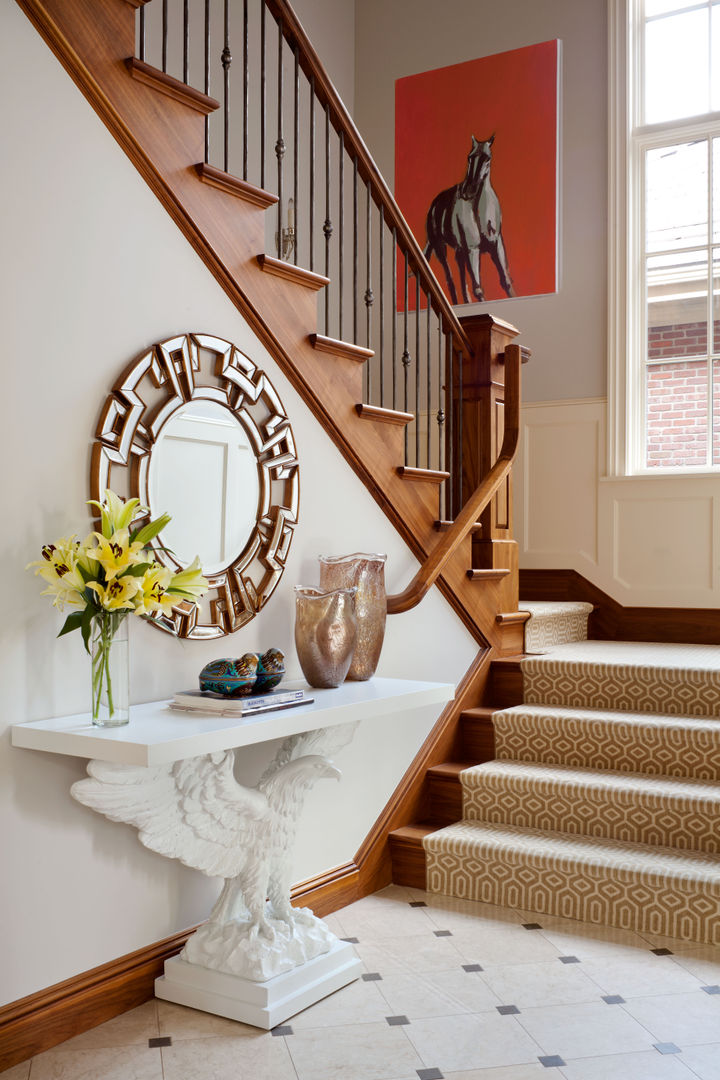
<point x="196" y="811"/>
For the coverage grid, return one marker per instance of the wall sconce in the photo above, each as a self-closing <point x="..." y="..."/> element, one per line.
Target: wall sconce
<point x="285" y="241"/>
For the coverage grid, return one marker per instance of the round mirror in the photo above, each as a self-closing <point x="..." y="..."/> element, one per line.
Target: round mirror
<point x="204" y="474"/>
<point x="194" y="429"/>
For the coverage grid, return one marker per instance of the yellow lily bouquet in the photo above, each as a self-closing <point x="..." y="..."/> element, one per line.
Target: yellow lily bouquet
<point x="107" y="576"/>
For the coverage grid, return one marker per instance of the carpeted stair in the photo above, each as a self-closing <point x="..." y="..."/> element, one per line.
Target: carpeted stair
<point x="603" y="803"/>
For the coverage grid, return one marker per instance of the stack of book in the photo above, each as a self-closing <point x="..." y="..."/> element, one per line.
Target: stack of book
<point x="203" y="701"/>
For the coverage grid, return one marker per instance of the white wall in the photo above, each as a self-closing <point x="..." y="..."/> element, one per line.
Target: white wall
<point x="566" y="331"/>
<point x="93" y="272"/>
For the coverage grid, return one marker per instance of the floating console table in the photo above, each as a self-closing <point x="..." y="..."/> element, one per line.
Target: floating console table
<point x="169" y="773"/>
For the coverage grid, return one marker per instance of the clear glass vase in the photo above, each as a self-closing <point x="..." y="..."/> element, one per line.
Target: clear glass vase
<point x="366" y="573"/>
<point x="110" y="669"/>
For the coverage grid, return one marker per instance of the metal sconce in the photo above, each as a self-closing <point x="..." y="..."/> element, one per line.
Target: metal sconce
<point x="286" y="240"/>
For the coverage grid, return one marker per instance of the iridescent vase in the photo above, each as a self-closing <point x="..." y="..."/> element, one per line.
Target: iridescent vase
<point x="325" y="633"/>
<point x="367" y="574"/>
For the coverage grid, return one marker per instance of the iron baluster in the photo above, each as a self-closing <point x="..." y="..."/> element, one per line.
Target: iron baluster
<point x="207" y="77"/>
<point x="263" y="92"/>
<point x="417" y="368"/>
<point x="428" y="389"/>
<point x="186" y="40"/>
<point x="280" y="144"/>
<point x="355" y="250"/>
<point x="460" y="433"/>
<point x="141" y="48"/>
<point x="246" y="90"/>
<point x="440" y="412"/>
<point x="369" y="297"/>
<point x="296" y="150"/>
<point x="226" y="57"/>
<point x="164" y="34"/>
<point x="312" y="173"/>
<point x="394" y="317"/>
<point x="406" y="353"/>
<point x="382" y="305"/>
<point x="341" y="232"/>
<point x="327" y="227"/>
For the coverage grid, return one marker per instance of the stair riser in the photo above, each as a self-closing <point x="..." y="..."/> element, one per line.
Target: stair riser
<point x="542" y="633"/>
<point x="600" y="814"/>
<point x="445" y="800"/>
<point x="608" y="745"/>
<point x="477" y="740"/>
<point x="586" y="893"/>
<point x="626" y="689"/>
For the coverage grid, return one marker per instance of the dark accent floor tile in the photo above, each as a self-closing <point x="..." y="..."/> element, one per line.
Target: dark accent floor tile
<point x="507" y="1010"/>
<point x="282" y="1029"/>
<point x="418" y="903"/>
<point x="614" y="999"/>
<point x="532" y="926"/>
<point x="471" y="967"/>
<point x="442" y="933"/>
<point x="711" y="989"/>
<point x="568" y="959"/>
<point x="162" y="1040"/>
<point x="662" y="952"/>
<point x="552" y="1061"/>
<point x="351" y="940"/>
<point x="397" y="1021"/>
<point x="429" y="1074"/>
<point x="667" y="1048"/>
<point x="372" y="976"/>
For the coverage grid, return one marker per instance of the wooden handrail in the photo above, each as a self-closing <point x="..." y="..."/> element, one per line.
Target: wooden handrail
<point x="468" y="516"/>
<point x="341" y="120"/>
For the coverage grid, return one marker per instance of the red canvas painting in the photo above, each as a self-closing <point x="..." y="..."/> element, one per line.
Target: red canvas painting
<point x="476" y="172"/>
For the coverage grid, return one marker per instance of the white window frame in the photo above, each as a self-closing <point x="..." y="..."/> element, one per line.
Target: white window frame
<point x="627" y="308"/>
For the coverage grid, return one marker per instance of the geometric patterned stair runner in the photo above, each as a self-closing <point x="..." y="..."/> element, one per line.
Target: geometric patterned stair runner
<point x="553" y="623"/>
<point x="603" y="803"/>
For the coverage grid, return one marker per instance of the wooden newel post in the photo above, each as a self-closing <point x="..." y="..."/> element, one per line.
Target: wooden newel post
<point x="478" y="404"/>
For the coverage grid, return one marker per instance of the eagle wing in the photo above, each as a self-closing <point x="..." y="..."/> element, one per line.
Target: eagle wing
<point x="192" y="810"/>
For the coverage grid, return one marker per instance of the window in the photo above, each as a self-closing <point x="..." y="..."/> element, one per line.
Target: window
<point x="665" y="235"/>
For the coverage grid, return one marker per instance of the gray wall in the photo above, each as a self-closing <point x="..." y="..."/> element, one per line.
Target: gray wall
<point x="567" y="331"/>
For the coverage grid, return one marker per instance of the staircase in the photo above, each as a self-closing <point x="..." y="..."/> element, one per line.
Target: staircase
<point x="603" y="801"/>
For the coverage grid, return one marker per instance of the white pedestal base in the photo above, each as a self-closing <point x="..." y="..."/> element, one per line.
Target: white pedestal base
<point x="265" y="1004"/>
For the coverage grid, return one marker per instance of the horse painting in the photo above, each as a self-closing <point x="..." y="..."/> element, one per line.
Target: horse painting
<point x="467" y="218"/>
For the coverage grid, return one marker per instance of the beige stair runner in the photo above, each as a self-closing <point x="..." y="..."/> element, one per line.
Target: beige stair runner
<point x="604" y="801"/>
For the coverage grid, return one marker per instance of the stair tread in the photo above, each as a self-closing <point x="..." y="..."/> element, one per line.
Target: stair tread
<point x="412" y="832"/>
<point x="667" y="788"/>
<point x="449" y="769"/>
<point x="610" y="716"/>
<point x="568" y="849"/>
<point x="633" y="654"/>
<point x="541" y="609"/>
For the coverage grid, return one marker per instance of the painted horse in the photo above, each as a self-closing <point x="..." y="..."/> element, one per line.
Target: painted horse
<point x="468" y="219"/>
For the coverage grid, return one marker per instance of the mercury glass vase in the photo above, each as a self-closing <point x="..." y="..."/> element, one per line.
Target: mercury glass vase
<point x="367" y="574"/>
<point x="110" y="668"/>
<point x="325" y="633"/>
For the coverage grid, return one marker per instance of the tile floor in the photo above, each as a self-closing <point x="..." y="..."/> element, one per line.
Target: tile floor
<point x="452" y="990"/>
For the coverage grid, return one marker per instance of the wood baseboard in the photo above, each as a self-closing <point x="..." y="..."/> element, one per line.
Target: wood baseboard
<point x="610" y="621"/>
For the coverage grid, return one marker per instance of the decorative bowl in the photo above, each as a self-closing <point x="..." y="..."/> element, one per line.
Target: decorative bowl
<point x="270" y="670"/>
<point x="230" y="678"/>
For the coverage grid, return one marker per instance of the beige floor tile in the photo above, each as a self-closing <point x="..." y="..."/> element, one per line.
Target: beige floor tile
<point x="377" y="958"/>
<point x="586" y="1030"/>
<point x="359" y="1003"/>
<point x="449" y="913"/>
<point x="133" y="1028"/>
<point x="115" y="1063"/>
<point x="417" y="996"/>
<point x="703" y="961"/>
<point x="684" y="1019"/>
<point x="472" y="1042"/>
<point x="18" y="1072"/>
<point x="264" y="1058"/>
<point x="587" y="940"/>
<point x="386" y="918"/>
<point x="647" y="1066"/>
<point x="641" y="976"/>
<point x="512" y="1072"/>
<point x="703" y="1060"/>
<point x="424" y="953"/>
<point x="503" y="945"/>
<point x="547" y="983"/>
<point x="357" y="1052"/>
<point x="335" y="926"/>
<point x="182" y="1023"/>
<point x="467" y="988"/>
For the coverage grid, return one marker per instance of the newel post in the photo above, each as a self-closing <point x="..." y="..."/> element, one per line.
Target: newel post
<point x="480" y="417"/>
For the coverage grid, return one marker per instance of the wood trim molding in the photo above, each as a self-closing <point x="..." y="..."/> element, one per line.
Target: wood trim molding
<point x="384" y="416"/>
<point x="611" y="621"/>
<point x="174" y="88"/>
<point x="290" y="272"/>
<point x="42" y="1020"/>
<point x="426" y="476"/>
<point x="340" y="348"/>
<point x="233" y="185"/>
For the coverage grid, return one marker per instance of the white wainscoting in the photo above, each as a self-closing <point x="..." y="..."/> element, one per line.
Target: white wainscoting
<point x="646" y="540"/>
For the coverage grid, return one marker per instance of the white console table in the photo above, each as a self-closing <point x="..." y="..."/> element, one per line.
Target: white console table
<point x="170" y="773"/>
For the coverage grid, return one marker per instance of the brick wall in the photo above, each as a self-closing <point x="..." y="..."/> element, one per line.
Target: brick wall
<point x="677" y="396"/>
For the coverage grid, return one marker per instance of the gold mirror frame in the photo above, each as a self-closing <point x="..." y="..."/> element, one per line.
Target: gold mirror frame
<point x="163" y="379"/>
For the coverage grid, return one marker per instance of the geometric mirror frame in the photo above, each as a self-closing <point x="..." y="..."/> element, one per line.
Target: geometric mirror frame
<point x="238" y="484"/>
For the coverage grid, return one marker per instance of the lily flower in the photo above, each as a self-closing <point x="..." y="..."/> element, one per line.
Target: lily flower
<point x="115" y="513"/>
<point x="152" y="596"/>
<point x="116" y="553"/>
<point x="59" y="568"/>
<point x="117" y="594"/>
<point x="189" y="583"/>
